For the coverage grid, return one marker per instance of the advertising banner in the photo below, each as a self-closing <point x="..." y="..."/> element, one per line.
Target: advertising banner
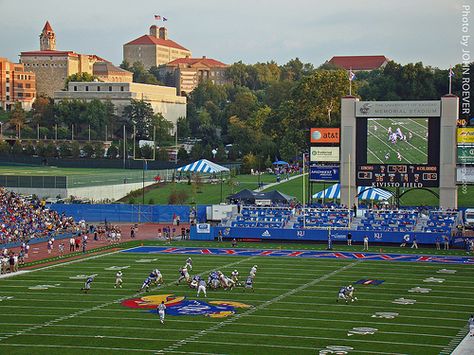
<point x="466" y="154"/>
<point x="325" y="154"/>
<point x="323" y="172"/>
<point x="325" y="135"/>
<point x="398" y="109"/>
<point x="466" y="135"/>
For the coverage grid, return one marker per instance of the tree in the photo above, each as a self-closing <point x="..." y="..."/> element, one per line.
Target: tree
<point x="141" y="75"/>
<point x="17" y="148"/>
<point x="75" y="150"/>
<point x="112" y="152"/>
<point x="17" y="116"/>
<point x="65" y="150"/>
<point x="182" y="154"/>
<point x="140" y="114"/>
<point x="42" y="111"/>
<point x="88" y="150"/>
<point x="249" y="161"/>
<point x="79" y="77"/>
<point x="162" y="128"/>
<point x="183" y="127"/>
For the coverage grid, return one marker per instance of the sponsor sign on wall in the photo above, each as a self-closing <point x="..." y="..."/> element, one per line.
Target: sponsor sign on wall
<point x="398" y="109"/>
<point x="203" y="228"/>
<point x="323" y="172"/>
<point x="466" y="154"/>
<point x="325" y="154"/>
<point x="466" y="135"/>
<point x="465" y="174"/>
<point x="325" y="135"/>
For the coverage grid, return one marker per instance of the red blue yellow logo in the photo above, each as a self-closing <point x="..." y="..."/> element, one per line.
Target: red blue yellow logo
<point x="181" y="306"/>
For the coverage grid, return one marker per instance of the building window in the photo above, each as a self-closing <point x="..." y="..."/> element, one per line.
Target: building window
<point x="110" y="88"/>
<point x="27" y="94"/>
<point x="121" y="88"/>
<point x="8" y="89"/>
<point x="28" y="86"/>
<point x="7" y="80"/>
<point x="98" y="88"/>
<point x="20" y="86"/>
<point x="75" y="88"/>
<point x="20" y="94"/>
<point x="87" y="88"/>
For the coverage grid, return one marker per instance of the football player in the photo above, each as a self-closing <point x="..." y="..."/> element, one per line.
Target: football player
<point x="118" y="279"/>
<point x="161" y="311"/>
<point x="87" y="285"/>
<point x="184" y="275"/>
<point x="189" y="263"/>
<point x="253" y="271"/>
<point x="146" y="284"/>
<point x="202" y="288"/>
<point x="249" y="283"/>
<point x="235" y="277"/>
<point x="213" y="280"/>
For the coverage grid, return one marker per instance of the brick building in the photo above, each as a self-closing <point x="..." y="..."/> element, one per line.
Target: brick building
<point x="16" y="85"/>
<point x="154" y="49"/>
<point x="52" y="67"/>
<point x="187" y="73"/>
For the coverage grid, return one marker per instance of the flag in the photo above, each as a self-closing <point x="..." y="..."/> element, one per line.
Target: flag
<point x="351" y="75"/>
<point x="165" y="19"/>
<point x="157" y="17"/>
<point x="451" y="72"/>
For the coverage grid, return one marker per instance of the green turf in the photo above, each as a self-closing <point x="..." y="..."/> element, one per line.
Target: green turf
<point x="293" y="308"/>
<point x="414" y="150"/>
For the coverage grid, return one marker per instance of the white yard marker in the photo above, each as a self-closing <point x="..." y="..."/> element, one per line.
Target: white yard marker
<point x="5" y="298"/>
<point x="82" y="277"/>
<point x="116" y="268"/>
<point x="404" y="301"/>
<point x="446" y="271"/>
<point x="419" y="290"/>
<point x="386" y="315"/>
<point x="434" y="279"/>
<point x="43" y="287"/>
<point x="361" y="331"/>
<point x="145" y="260"/>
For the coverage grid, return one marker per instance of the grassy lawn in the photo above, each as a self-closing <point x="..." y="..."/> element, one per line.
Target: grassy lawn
<point x="293" y="308"/>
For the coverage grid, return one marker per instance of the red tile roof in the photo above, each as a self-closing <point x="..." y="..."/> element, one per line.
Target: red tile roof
<point x="362" y="62"/>
<point x="147" y="40"/>
<point x="191" y="61"/>
<point x="47" y="27"/>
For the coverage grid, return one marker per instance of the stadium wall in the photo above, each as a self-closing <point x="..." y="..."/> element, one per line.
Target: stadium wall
<point x="311" y="235"/>
<point x="123" y="213"/>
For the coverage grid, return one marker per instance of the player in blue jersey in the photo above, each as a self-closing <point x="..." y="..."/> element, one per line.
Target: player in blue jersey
<point x="342" y="294"/>
<point x="87" y="285"/>
<point x="146" y="284"/>
<point x="249" y="283"/>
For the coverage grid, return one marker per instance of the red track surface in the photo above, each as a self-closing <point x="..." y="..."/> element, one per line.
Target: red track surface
<point x="145" y="231"/>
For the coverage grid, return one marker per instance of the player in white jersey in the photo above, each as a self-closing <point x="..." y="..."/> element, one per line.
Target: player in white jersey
<point x="118" y="279"/>
<point x="399" y="156"/>
<point x="202" y="288"/>
<point x="235" y="277"/>
<point x="350" y="293"/>
<point x="161" y="311"/>
<point x="158" y="277"/>
<point x="253" y="271"/>
<point x="189" y="263"/>
<point x="399" y="133"/>
<point x="471" y="325"/>
<point x="184" y="275"/>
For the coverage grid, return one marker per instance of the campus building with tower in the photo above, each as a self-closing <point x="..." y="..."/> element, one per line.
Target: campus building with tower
<point x="52" y="66"/>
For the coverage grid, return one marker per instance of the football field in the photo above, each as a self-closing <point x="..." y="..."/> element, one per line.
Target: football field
<point x="403" y="307"/>
<point x="413" y="150"/>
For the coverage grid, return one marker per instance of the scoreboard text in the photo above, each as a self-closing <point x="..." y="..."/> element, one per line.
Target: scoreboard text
<point x="397" y="175"/>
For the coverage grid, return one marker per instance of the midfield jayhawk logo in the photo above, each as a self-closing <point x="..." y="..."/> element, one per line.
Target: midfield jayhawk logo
<point x="181" y="306"/>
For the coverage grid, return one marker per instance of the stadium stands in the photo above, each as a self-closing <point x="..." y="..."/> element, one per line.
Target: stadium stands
<point x="23" y="219"/>
<point x="266" y="217"/>
<point x="323" y="218"/>
<point x="441" y="221"/>
<point x="389" y="220"/>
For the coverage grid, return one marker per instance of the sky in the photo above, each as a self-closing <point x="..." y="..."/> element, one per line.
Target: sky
<point x="406" y="31"/>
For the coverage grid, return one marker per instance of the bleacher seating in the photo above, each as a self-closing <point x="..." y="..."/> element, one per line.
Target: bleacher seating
<point x="389" y="220"/>
<point x="323" y="218"/>
<point x="441" y="221"/>
<point x="265" y="217"/>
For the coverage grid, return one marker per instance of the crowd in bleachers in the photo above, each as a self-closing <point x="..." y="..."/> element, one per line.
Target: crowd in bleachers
<point x="389" y="220"/>
<point x="441" y="221"/>
<point x="23" y="219"/>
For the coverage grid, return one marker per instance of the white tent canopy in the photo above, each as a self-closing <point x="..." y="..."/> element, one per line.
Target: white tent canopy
<point x="364" y="193"/>
<point x="203" y="166"/>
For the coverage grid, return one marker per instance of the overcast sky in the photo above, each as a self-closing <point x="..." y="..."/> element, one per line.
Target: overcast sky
<point x="248" y="30"/>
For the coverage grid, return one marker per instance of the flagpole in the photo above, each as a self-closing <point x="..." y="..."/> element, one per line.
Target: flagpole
<point x="350" y="82"/>
<point x="304" y="215"/>
<point x="450" y="78"/>
<point x="349" y="186"/>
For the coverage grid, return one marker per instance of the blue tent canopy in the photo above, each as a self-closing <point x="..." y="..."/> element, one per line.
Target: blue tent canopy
<point x="203" y="166"/>
<point x="364" y="192"/>
<point x="280" y="162"/>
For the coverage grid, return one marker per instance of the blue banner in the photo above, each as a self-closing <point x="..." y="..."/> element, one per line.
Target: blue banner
<point x="314" y="235"/>
<point x="323" y="172"/>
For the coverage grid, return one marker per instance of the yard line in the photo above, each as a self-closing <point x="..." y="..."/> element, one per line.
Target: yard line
<point x="375" y="155"/>
<point x="255" y="309"/>
<point x="76" y="347"/>
<point x="101" y="306"/>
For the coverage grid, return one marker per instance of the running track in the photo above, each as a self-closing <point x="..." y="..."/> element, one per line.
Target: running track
<point x="305" y="254"/>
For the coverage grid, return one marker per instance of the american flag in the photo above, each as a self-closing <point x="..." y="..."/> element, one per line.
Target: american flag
<point x="351" y="75"/>
<point x="157" y="17"/>
<point x="165" y="19"/>
<point x="451" y="72"/>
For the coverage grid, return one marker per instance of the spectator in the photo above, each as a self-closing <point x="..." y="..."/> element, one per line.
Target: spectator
<point x="446" y="242"/>
<point x="349" y="238"/>
<point x="414" y="243"/>
<point x="438" y="242"/>
<point x="366" y="243"/>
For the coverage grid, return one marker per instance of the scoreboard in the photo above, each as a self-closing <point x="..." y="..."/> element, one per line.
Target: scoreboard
<point x="397" y="175"/>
